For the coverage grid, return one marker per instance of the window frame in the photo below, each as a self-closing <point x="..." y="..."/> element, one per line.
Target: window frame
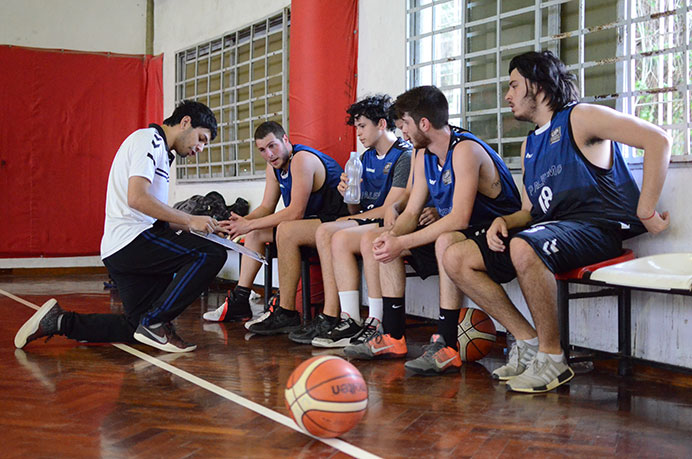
<point x="221" y="159"/>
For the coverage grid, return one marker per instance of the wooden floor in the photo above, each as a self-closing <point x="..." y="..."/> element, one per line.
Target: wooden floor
<point x="65" y="399"/>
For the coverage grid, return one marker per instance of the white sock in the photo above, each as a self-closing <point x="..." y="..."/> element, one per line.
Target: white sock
<point x="531" y="342"/>
<point x="375" y="305"/>
<point x="557" y="357"/>
<point x="350" y="304"/>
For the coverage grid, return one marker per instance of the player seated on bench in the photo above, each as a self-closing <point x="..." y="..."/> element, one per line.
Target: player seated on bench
<point x="579" y="202"/>
<point x="306" y="180"/>
<point x="345" y="247"/>
<point x="469" y="185"/>
<point x="386" y="164"/>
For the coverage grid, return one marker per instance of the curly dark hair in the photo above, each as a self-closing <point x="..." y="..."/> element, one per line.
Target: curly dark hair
<point x="549" y="74"/>
<point x="424" y="102"/>
<point x="374" y="108"/>
<point x="200" y="116"/>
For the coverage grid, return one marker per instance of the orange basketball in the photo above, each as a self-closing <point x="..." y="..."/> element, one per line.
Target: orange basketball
<point x="475" y="333"/>
<point x="326" y="396"/>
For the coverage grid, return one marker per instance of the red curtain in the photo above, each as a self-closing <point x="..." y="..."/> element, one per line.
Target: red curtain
<point x="323" y="67"/>
<point x="63" y="117"/>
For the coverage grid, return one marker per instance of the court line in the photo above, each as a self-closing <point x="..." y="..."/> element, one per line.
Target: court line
<point x="335" y="443"/>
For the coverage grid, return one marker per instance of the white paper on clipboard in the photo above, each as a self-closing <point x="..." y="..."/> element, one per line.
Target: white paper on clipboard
<point x="227" y="243"/>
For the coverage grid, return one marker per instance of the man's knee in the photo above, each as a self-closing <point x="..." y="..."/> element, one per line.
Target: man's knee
<point x="461" y="258"/>
<point x="366" y="243"/>
<point x="523" y="255"/>
<point x="323" y="236"/>
<point x="444" y="241"/>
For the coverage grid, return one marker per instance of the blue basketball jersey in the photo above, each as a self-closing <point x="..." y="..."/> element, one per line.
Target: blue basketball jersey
<point x="441" y="183"/>
<point x="317" y="201"/>
<point x="378" y="173"/>
<point x="563" y="185"/>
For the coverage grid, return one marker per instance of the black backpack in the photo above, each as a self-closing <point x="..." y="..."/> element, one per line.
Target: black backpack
<point x="213" y="205"/>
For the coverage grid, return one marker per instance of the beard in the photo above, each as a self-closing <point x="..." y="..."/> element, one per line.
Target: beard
<point x="419" y="140"/>
<point x="530" y="104"/>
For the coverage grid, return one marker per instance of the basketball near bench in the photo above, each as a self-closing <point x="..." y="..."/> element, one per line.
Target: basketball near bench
<point x="326" y="396"/>
<point x="476" y="334"/>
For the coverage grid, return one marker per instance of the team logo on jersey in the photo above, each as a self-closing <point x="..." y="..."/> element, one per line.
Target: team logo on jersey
<point x="386" y="169"/>
<point x="555" y="135"/>
<point x="432" y="182"/>
<point x="447" y="177"/>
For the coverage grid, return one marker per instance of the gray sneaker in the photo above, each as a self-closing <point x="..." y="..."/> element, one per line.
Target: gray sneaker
<point x="163" y="337"/>
<point x="520" y="355"/>
<point x="44" y="322"/>
<point x="541" y="376"/>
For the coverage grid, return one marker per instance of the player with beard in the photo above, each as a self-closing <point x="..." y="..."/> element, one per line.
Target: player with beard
<point x="579" y="202"/>
<point x="306" y="180"/>
<point x="469" y="185"/>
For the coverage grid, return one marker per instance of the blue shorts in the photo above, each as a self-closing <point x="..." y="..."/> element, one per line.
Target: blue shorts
<point x="561" y="246"/>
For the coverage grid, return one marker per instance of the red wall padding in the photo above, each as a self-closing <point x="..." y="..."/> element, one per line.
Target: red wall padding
<point x="63" y="117"/>
<point x="323" y="67"/>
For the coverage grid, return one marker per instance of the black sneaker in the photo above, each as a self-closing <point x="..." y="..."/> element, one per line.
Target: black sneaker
<point x="233" y="309"/>
<point x="163" y="337"/>
<point x="319" y="325"/>
<point x="44" y="322"/>
<point x="340" y="335"/>
<point x="279" y="321"/>
<point x="370" y="327"/>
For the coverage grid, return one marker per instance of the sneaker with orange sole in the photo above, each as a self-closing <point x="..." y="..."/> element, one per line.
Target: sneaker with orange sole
<point x="437" y="358"/>
<point x="379" y="346"/>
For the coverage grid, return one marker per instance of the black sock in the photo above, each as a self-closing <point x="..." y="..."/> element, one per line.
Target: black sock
<point x="394" y="316"/>
<point x="447" y="326"/>
<point x="242" y="293"/>
<point x="282" y="310"/>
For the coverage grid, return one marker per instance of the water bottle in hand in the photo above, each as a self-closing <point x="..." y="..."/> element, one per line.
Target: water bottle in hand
<point x="354" y="171"/>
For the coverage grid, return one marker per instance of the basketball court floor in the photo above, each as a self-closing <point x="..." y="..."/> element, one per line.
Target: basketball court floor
<point x="226" y="399"/>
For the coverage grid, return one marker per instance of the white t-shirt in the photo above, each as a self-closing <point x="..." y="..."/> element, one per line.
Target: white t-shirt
<point x="145" y="154"/>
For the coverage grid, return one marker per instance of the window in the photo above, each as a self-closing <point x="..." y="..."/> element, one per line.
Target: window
<point x="632" y="55"/>
<point x="243" y="77"/>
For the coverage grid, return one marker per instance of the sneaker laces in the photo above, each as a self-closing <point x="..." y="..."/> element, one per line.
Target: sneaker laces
<point x="514" y="356"/>
<point x="433" y="348"/>
<point x="366" y="332"/>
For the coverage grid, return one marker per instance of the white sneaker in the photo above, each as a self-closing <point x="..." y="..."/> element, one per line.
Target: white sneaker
<point x="520" y="355"/>
<point x="542" y="375"/>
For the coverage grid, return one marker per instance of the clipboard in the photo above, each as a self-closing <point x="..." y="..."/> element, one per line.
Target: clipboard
<point x="230" y="245"/>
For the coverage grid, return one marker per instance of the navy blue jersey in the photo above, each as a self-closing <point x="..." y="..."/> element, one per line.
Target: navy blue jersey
<point x="441" y="183"/>
<point x="563" y="185"/>
<point x="378" y="173"/>
<point x="318" y="199"/>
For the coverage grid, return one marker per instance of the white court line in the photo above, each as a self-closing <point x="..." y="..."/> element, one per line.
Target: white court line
<point x="335" y="443"/>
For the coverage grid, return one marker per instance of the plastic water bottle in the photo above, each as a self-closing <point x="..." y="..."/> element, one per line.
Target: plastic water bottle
<point x="354" y="171"/>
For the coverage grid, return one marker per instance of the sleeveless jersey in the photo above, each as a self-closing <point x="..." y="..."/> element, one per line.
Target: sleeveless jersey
<point x="441" y="183"/>
<point x="321" y="199"/>
<point x="378" y="173"/>
<point x="563" y="185"/>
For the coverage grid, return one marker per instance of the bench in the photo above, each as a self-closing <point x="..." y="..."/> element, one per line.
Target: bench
<point x="665" y="273"/>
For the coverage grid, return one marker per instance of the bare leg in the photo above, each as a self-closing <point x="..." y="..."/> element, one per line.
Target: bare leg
<point x="371" y="267"/>
<point x="464" y="265"/>
<point x="290" y="236"/>
<point x="393" y="278"/>
<point x="540" y="290"/>
<point x="450" y="295"/>
<point x="254" y="240"/>
<point x="324" y="239"/>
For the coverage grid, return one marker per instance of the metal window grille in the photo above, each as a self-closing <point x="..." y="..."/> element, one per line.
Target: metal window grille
<point x="243" y="77"/>
<point x="633" y="55"/>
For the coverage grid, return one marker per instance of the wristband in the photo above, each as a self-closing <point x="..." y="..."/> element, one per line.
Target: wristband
<point x="648" y="218"/>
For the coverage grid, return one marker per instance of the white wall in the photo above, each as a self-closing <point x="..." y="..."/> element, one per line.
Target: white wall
<point x="86" y="25"/>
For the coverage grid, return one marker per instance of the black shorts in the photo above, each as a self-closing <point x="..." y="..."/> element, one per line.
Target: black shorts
<point x="561" y="246"/>
<point x="368" y="221"/>
<point x="423" y="260"/>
